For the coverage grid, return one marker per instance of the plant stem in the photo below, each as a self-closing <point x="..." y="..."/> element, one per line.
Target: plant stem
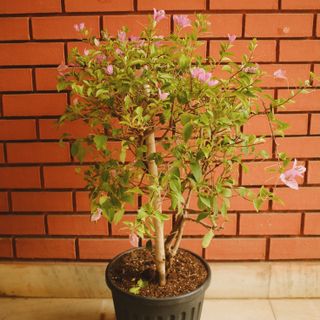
<point x="157" y="206"/>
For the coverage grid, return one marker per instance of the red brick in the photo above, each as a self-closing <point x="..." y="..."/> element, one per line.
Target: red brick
<point x="193" y="245"/>
<point x="299" y="146"/>
<point x="83" y="203"/>
<point x="306" y="198"/>
<point x="243" y="4"/>
<point x="98" y="5"/>
<point x="14" y="28"/>
<point x="298" y="25"/>
<point x="318" y="25"/>
<point x="266" y="146"/>
<point x="295" y="73"/>
<point x="313" y="172"/>
<point x="17" y="129"/>
<point x="77" y="44"/>
<point x="312" y="223"/>
<point x="135" y="23"/>
<point x="238" y="203"/>
<point x="1" y="153"/>
<point x="49" y="129"/>
<point x="270" y="224"/>
<point x="259" y="125"/>
<point x="6" y="248"/>
<point x="15" y="54"/>
<point x="15" y="80"/>
<point x="219" y="25"/>
<point x="297" y="4"/>
<point x="300" y="50"/>
<point x="265" y="51"/>
<point x="63" y="27"/>
<point x="172" y="5"/>
<point x="309" y="102"/>
<point x="30" y="6"/>
<point x="45" y="248"/>
<point x="21" y="224"/>
<point x="195" y="229"/>
<point x="102" y="248"/>
<point x="41" y="201"/>
<point x="76" y="225"/>
<point x="295" y="248"/>
<point x="37" y="104"/>
<point x="46" y="78"/>
<point x="19" y="177"/>
<point x="237" y="249"/>
<point x="4" y="201"/>
<point x="315" y="124"/>
<point x="37" y="152"/>
<point x="64" y="177"/>
<point x="259" y="173"/>
<point x="114" y="146"/>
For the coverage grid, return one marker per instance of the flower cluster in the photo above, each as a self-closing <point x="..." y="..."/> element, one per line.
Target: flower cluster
<point x="203" y="76"/>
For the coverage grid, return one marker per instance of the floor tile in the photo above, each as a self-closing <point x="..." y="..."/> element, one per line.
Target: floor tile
<point x="296" y="309"/>
<point x="237" y="310"/>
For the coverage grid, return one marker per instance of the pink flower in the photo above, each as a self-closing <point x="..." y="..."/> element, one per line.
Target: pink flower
<point x="122" y="36"/>
<point x="62" y="68"/>
<point x="109" y="69"/>
<point x="212" y="83"/>
<point x="195" y="72"/>
<point x="100" y="57"/>
<point x="133" y="239"/>
<point x="183" y="21"/>
<point x="96" y="42"/>
<point x="280" y="74"/>
<point x="163" y="95"/>
<point x="289" y="176"/>
<point x="232" y="37"/>
<point x="119" y="52"/>
<point x="158" y="15"/>
<point x="96" y="215"/>
<point x="203" y="76"/>
<point x="86" y="52"/>
<point x="251" y="70"/>
<point x="79" y="27"/>
<point x="134" y="38"/>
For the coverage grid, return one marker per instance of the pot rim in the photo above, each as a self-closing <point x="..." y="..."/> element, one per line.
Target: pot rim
<point x="201" y="288"/>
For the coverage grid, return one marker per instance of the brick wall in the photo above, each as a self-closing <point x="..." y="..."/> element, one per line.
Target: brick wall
<point x="44" y="208"/>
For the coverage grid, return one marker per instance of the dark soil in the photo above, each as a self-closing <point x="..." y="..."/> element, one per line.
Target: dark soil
<point x="185" y="274"/>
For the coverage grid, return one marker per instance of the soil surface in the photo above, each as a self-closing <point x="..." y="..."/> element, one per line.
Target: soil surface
<point x="185" y="274"/>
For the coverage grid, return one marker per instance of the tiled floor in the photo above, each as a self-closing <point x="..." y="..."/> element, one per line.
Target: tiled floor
<point x="102" y="309"/>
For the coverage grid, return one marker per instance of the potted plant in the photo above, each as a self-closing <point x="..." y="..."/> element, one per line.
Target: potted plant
<point x="166" y="128"/>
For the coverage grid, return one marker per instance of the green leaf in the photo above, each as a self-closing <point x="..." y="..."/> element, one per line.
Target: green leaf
<point x="206" y="240"/>
<point x="257" y="203"/>
<point x="100" y="142"/>
<point x="196" y="171"/>
<point x="78" y="151"/>
<point x="205" y="201"/>
<point x="202" y="216"/>
<point x="187" y="131"/>
<point x="118" y="216"/>
<point x="123" y="152"/>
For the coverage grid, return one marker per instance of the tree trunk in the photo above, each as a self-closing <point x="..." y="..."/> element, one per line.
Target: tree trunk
<point x="157" y="205"/>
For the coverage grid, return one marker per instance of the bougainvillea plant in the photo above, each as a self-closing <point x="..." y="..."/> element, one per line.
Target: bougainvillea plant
<point x="167" y="128"/>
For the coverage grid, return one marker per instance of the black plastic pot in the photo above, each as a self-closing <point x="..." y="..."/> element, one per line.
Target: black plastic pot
<point x="134" y="307"/>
